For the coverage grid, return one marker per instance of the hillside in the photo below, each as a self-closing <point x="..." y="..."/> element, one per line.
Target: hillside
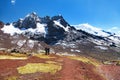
<point x="33" y="33"/>
<point x="77" y="52"/>
<point x="54" y="67"/>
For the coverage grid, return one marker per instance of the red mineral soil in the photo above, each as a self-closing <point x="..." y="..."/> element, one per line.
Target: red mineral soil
<point x="111" y="72"/>
<point x="76" y="70"/>
<point x="71" y="70"/>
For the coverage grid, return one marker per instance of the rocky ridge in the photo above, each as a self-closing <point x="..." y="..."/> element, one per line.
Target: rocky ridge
<point x="33" y="33"/>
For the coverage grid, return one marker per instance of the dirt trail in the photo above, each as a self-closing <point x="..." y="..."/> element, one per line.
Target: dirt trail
<point x="76" y="70"/>
<point x="69" y="69"/>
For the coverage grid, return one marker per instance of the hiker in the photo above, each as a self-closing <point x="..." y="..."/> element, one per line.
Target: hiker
<point x="47" y="51"/>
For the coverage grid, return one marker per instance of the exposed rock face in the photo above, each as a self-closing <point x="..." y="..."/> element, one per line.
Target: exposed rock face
<point x="36" y="32"/>
<point x="56" y="29"/>
<point x="29" y="21"/>
<point x="1" y="24"/>
<point x="61" y="19"/>
<point x="54" y="32"/>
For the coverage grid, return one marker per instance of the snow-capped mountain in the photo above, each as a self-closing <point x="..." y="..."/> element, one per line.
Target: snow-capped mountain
<point x="93" y="30"/>
<point x="98" y="32"/>
<point x="33" y="33"/>
<point x="54" y="29"/>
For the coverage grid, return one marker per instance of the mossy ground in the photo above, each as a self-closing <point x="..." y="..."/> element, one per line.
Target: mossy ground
<point x="115" y="62"/>
<point x="85" y="59"/>
<point x="11" y="78"/>
<point x="39" y="67"/>
<point x="19" y="55"/>
<point x="12" y="57"/>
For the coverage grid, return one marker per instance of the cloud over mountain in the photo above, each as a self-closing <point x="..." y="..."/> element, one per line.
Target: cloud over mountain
<point x="115" y="30"/>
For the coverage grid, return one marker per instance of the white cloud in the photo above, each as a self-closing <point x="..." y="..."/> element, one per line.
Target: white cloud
<point x="13" y="2"/>
<point x="114" y="30"/>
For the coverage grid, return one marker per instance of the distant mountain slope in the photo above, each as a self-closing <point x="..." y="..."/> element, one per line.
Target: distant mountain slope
<point x="33" y="33"/>
<point x="93" y="30"/>
<point x="98" y="32"/>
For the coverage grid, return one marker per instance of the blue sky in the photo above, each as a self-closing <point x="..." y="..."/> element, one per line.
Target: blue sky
<point x="101" y="13"/>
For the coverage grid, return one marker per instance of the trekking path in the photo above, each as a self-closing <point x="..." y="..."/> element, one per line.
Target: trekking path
<point x="69" y="69"/>
<point x="77" y="70"/>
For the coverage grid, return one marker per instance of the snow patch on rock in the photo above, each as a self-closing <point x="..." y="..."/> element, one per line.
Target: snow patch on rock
<point x="58" y="23"/>
<point x="10" y="29"/>
<point x="41" y="28"/>
<point x="66" y="54"/>
<point x="72" y="50"/>
<point x="101" y="47"/>
<point x="91" y="29"/>
<point x="20" y="43"/>
<point x="30" y="43"/>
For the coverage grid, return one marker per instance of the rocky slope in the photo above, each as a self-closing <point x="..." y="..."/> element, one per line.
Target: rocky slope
<point x="33" y="33"/>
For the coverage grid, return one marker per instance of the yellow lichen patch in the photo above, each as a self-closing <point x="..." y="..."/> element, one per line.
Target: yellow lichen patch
<point x="39" y="67"/>
<point x="11" y="57"/>
<point x="115" y="62"/>
<point x="18" y="55"/>
<point x="43" y="56"/>
<point x="11" y="78"/>
<point x="85" y="59"/>
<point x="51" y="62"/>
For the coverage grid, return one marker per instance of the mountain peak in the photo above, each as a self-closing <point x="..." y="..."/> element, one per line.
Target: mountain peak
<point x="31" y="14"/>
<point x="29" y="21"/>
<point x="57" y="17"/>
